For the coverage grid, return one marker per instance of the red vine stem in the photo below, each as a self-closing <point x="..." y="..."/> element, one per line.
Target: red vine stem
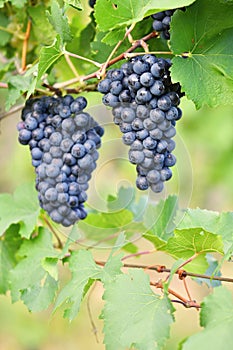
<point x="120" y="57"/>
<point x="25" y="45"/>
<point x="183" y="273"/>
<point x="185" y="302"/>
<point x="3" y="85"/>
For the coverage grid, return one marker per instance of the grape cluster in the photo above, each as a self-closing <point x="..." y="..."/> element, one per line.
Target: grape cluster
<point x="162" y="22"/>
<point x="92" y="3"/>
<point x="63" y="141"/>
<point x="144" y="102"/>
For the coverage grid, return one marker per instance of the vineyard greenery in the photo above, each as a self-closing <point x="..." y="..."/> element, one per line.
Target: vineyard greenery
<point x="57" y="48"/>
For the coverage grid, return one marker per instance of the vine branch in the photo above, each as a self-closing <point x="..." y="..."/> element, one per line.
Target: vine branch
<point x="25" y="45"/>
<point x="183" y="273"/>
<point x="97" y="73"/>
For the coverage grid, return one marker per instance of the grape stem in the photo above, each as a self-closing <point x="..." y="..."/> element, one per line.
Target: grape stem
<point x="186" y="303"/>
<point x="94" y="328"/>
<point x="97" y="64"/>
<point x="59" y="242"/>
<point x="97" y="73"/>
<point x="25" y="46"/>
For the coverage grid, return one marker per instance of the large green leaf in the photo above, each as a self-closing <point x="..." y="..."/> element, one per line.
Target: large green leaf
<point x="217" y="318"/>
<point x="26" y="278"/>
<point x="117" y="13"/>
<point x="9" y="245"/>
<point x="84" y="272"/>
<point x="133" y="315"/>
<point x="204" y="32"/>
<point x="22" y="207"/>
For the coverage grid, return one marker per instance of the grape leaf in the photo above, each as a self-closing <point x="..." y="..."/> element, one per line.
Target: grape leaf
<point x="4" y="36"/>
<point x="159" y="221"/>
<point x="217" y="318"/>
<point x="59" y="21"/>
<point x="188" y="242"/>
<point x="2" y="2"/>
<point x="84" y="271"/>
<point x="37" y="297"/>
<point x="125" y="12"/>
<point x="8" y="248"/>
<point x="134" y="315"/>
<point x="213" y="266"/>
<point x="22" y="207"/>
<point x="41" y="27"/>
<point x="221" y="224"/>
<point x="74" y="3"/>
<point x="20" y="84"/>
<point x="208" y="28"/>
<point x="48" y="56"/>
<point x="26" y="278"/>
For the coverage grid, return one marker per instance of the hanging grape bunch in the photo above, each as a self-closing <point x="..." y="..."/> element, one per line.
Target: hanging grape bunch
<point x="145" y="107"/>
<point x="162" y="22"/>
<point x="63" y="141"/>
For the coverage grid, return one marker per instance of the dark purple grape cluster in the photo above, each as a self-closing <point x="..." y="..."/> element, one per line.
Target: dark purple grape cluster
<point x="92" y="3"/>
<point x="145" y="107"/>
<point x="162" y="22"/>
<point x="63" y="141"/>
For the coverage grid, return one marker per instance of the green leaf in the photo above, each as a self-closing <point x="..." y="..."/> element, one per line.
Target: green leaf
<point x="84" y="270"/>
<point x="4" y="36"/>
<point x="40" y="296"/>
<point x="29" y="278"/>
<point x="125" y="12"/>
<point x="41" y="26"/>
<point x="9" y="245"/>
<point x="212" y="268"/>
<point x="49" y="56"/>
<point x="159" y="221"/>
<point x="74" y="3"/>
<point x="134" y="315"/>
<point x="99" y="225"/>
<point x="59" y="21"/>
<point x="221" y="224"/>
<point x="217" y="318"/>
<point x="208" y="27"/>
<point x="188" y="242"/>
<point x="22" y="207"/>
<point x="19" y="84"/>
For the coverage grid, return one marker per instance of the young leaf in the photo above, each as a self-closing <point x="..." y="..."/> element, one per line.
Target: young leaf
<point x="133" y="315"/>
<point x="159" y="221"/>
<point x="84" y="272"/>
<point x="22" y="207"/>
<point x="186" y="243"/>
<point x="125" y="12"/>
<point x="26" y="278"/>
<point x="59" y="21"/>
<point x="48" y="56"/>
<point x="218" y="223"/>
<point x="207" y="44"/>
<point x="217" y="318"/>
<point x="9" y="245"/>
